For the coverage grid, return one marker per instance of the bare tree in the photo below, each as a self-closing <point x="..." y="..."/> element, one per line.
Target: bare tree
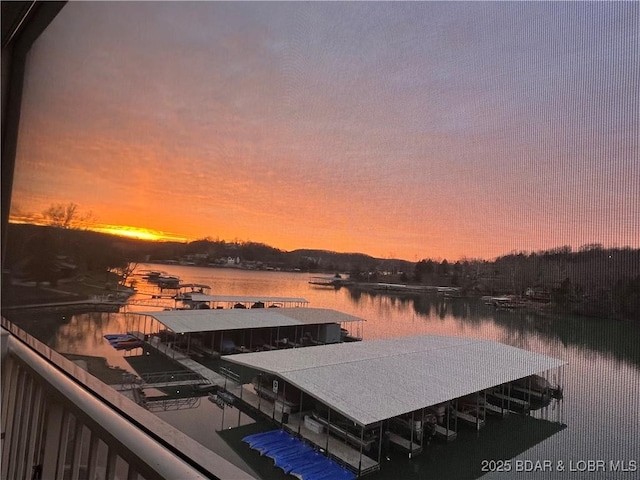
<point x="65" y="216"/>
<point x="124" y="271"/>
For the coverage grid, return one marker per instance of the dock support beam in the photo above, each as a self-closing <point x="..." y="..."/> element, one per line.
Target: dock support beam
<point x="275" y="401"/>
<point x="455" y="420"/>
<point x="380" y="444"/>
<point x="411" y="443"/>
<point x="448" y="416"/>
<point x="239" y="411"/>
<point x="300" y="416"/>
<point x="361" y="442"/>
<point x="484" y="406"/>
<point x="328" y="429"/>
<point x="259" y="387"/>
<point x="422" y="428"/>
<point x="284" y="386"/>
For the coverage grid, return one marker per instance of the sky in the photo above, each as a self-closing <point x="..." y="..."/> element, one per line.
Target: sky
<point x="400" y="130"/>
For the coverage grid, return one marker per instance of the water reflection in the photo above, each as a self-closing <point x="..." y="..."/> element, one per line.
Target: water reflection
<point x="521" y="328"/>
<point x="601" y="381"/>
<point x="466" y="457"/>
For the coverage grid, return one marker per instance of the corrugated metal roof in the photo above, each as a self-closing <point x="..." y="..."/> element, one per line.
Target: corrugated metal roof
<point x="201" y="297"/>
<point x="190" y="321"/>
<point x="375" y="380"/>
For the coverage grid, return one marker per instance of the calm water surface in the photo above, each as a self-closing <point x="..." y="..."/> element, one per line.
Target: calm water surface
<point x="598" y="420"/>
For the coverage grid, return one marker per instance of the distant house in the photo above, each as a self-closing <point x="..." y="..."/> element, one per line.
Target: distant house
<point x="231" y="261"/>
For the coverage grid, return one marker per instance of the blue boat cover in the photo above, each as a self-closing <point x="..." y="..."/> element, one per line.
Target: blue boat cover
<point x="295" y="457"/>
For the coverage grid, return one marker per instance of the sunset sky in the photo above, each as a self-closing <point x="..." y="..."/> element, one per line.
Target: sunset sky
<point x="406" y="130"/>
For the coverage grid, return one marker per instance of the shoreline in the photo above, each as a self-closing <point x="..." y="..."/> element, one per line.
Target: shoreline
<point x="84" y="293"/>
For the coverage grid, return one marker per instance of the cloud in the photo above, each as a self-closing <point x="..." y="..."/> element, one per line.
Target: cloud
<point x="373" y="124"/>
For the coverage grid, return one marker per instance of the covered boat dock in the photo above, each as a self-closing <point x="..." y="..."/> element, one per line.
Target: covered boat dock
<point x="200" y="300"/>
<point x="354" y="400"/>
<point x="210" y="333"/>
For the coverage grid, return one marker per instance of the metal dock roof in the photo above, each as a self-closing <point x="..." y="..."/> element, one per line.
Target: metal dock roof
<point x="202" y="297"/>
<point x="375" y="380"/>
<point x="191" y="321"/>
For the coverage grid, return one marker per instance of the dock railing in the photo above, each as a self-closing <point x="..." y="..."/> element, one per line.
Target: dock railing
<point x="58" y="421"/>
<point x="174" y="377"/>
<point x="230" y="374"/>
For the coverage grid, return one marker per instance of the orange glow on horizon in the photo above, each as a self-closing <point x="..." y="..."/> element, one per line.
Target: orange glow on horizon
<point x="137" y="233"/>
<point x="117" y="230"/>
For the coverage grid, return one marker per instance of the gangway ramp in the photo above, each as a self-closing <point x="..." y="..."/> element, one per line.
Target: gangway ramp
<point x="172" y="379"/>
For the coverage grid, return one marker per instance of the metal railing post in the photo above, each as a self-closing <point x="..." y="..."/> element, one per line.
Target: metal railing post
<point x="52" y="440"/>
<point x="77" y="450"/>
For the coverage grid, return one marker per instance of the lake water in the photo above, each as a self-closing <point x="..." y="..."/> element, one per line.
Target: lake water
<point x="597" y="422"/>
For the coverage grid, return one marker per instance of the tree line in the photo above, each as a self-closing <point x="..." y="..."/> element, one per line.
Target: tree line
<point x="592" y="280"/>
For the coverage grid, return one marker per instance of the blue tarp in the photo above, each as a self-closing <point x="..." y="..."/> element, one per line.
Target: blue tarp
<point x="295" y="457"/>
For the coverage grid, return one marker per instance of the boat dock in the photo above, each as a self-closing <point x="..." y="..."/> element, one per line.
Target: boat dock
<point x="209" y="333"/>
<point x="324" y="393"/>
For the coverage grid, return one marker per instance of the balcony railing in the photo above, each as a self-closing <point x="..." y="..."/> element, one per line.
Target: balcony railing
<point x="59" y="423"/>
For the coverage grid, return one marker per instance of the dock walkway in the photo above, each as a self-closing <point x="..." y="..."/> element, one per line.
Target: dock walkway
<point x="184" y="360"/>
<point x="92" y="302"/>
<point x="204" y="372"/>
